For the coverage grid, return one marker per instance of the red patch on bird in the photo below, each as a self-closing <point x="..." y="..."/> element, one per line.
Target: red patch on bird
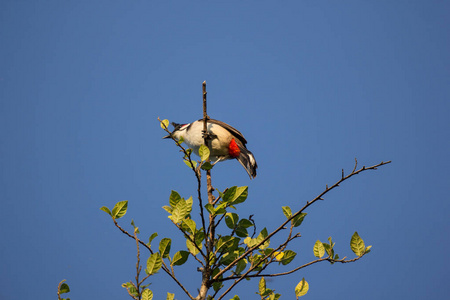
<point x="233" y="149"/>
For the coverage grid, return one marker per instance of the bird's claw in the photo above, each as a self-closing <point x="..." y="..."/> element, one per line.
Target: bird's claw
<point x="207" y="135"/>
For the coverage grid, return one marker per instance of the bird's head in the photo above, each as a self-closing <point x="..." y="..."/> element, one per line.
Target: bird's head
<point x="178" y="130"/>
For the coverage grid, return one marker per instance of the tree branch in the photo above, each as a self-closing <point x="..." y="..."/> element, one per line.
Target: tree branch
<point x="308" y="264"/>
<point x="164" y="266"/>
<point x="209" y="240"/>
<point x="319" y="197"/>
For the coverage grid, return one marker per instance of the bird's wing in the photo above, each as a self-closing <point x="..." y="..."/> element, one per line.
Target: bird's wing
<point x="231" y="129"/>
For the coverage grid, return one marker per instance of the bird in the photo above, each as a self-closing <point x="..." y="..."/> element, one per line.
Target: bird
<point x="225" y="142"/>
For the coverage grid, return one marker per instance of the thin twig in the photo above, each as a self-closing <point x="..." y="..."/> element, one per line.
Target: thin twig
<point x="138" y="265"/>
<point x="192" y="240"/>
<point x="126" y="232"/>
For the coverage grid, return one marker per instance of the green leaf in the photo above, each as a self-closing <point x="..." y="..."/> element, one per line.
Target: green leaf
<point x="120" y="209"/>
<point x="167" y="208"/>
<point x="267" y="251"/>
<point x="180" y="211"/>
<point x="220" y="209"/>
<point x="262" y="235"/>
<point x="268" y="293"/>
<point x="192" y="165"/>
<point x="241" y="229"/>
<point x="367" y="250"/>
<point x="210" y="208"/>
<point x="127" y="284"/>
<point x="130" y="287"/>
<point x="236" y="297"/>
<point x="357" y="244"/>
<point x="189" y="203"/>
<point x="198" y="241"/>
<point x="150" y="239"/>
<point x="231" y="219"/>
<point x="215" y="271"/>
<point x="240" y="266"/>
<point x="147" y="295"/>
<point x="217" y="286"/>
<point x="319" y="249"/>
<point x="288" y="256"/>
<point x="302" y="288"/>
<point x="207" y="166"/>
<point x="287" y="211"/>
<point x="165" y="124"/>
<point x="241" y="195"/>
<point x="252" y="242"/>
<point x="199" y="237"/>
<point x="235" y="195"/>
<point x="181" y="140"/>
<point x="257" y="261"/>
<point x="164" y="247"/>
<point x="262" y="286"/>
<point x="212" y="258"/>
<point x="64" y="288"/>
<point x="228" y="258"/>
<point x="189" y="225"/>
<point x="170" y="296"/>
<point x="154" y="263"/>
<point x="136" y="229"/>
<point x="249" y="242"/>
<point x="203" y="152"/>
<point x="245" y="223"/>
<point x="174" y="198"/>
<point x="297" y="221"/>
<point x="228" y="243"/>
<point x="328" y="249"/>
<point x="180" y="258"/>
<point x="241" y="232"/>
<point x="106" y="210"/>
<point x="331" y="242"/>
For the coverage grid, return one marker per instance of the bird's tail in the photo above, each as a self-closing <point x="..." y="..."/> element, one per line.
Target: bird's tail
<point x="247" y="160"/>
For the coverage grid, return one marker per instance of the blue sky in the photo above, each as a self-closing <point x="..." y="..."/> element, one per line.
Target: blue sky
<point x="311" y="84"/>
